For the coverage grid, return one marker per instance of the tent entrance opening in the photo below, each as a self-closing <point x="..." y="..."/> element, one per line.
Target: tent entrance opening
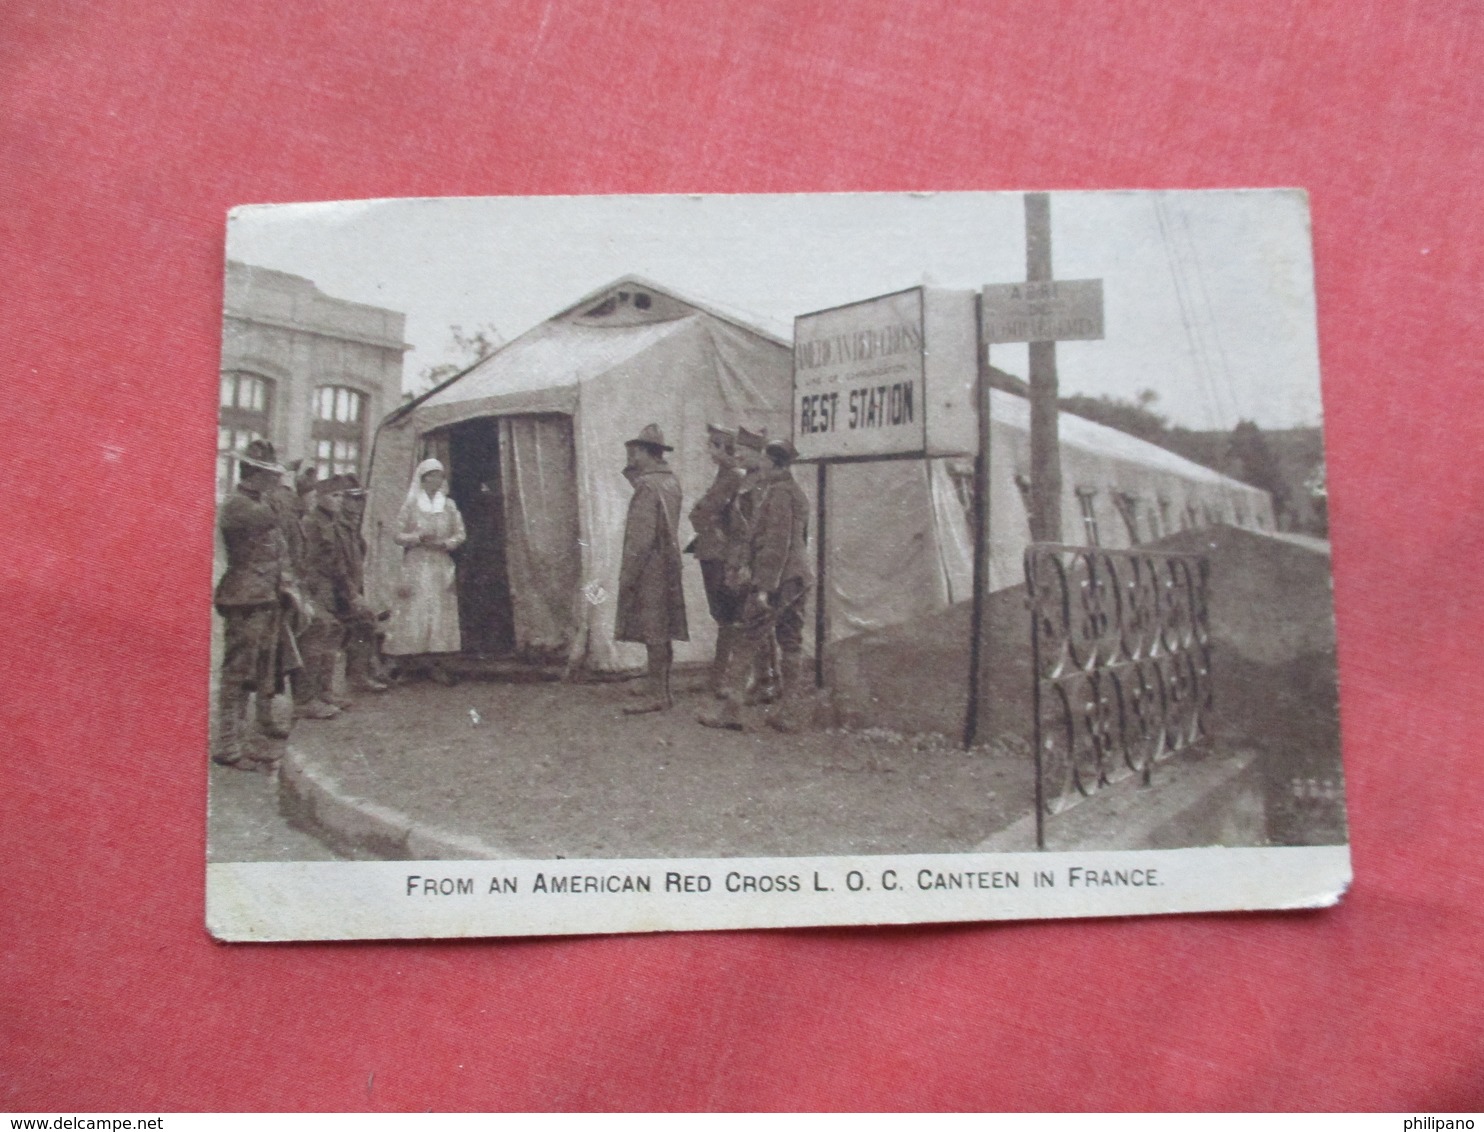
<point x="486" y="617"/>
<point x="514" y="479"/>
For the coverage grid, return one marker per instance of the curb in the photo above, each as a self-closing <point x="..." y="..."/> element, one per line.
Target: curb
<point x="359" y="828"/>
<point x="1156" y="809"/>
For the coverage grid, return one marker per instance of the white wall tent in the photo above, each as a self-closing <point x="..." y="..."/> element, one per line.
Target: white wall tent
<point x="900" y="534"/>
<point x="533" y="438"/>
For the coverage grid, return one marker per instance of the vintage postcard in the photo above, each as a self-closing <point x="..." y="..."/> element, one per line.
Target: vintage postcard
<point x="609" y="564"/>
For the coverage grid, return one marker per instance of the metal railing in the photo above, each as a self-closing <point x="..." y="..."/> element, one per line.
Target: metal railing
<point x="1121" y="653"/>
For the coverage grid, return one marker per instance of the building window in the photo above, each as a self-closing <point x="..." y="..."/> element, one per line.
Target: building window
<point x="1085" y="500"/>
<point x="245" y="415"/>
<point x="228" y="441"/>
<point x="1164" y="527"/>
<point x="339" y="430"/>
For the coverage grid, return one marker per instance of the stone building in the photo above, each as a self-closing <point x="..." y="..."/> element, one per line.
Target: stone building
<point x="311" y="373"/>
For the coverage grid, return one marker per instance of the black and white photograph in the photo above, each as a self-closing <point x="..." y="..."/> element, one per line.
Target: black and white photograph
<point x="600" y="564"/>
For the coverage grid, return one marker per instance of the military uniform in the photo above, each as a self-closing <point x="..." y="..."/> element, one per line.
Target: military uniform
<point x="288" y="508"/>
<point x="251" y="597"/>
<point x="329" y="571"/>
<point x="711" y="518"/>
<point x="651" y="601"/>
<point x="770" y="558"/>
<point x="779" y="557"/>
<point x="361" y="662"/>
<point x="288" y="505"/>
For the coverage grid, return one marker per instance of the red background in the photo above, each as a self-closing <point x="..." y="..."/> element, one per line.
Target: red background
<point x="126" y="131"/>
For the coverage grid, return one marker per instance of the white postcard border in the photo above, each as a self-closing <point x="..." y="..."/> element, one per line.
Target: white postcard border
<point x="347" y="900"/>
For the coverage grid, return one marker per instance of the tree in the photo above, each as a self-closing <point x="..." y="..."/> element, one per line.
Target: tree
<point x="1136" y="417"/>
<point x="1252" y="461"/>
<point x="465" y="348"/>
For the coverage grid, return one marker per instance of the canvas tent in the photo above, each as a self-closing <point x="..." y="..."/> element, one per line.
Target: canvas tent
<point x="900" y="534"/>
<point x="533" y="439"/>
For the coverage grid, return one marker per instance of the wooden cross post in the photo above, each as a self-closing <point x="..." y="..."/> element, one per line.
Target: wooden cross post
<point x="1041" y="311"/>
<point x="1045" y="442"/>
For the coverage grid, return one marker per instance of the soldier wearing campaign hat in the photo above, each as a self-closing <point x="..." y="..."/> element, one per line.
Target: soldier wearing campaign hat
<point x="651" y="600"/>
<point x="257" y="597"/>
<point x="711" y="518"/>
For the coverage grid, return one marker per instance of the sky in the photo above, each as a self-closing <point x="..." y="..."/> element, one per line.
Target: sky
<point x="1208" y="295"/>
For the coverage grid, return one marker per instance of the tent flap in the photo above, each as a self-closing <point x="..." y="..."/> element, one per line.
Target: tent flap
<point x="539" y="489"/>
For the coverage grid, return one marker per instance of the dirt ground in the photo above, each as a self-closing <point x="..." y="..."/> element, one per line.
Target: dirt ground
<point x="557" y="770"/>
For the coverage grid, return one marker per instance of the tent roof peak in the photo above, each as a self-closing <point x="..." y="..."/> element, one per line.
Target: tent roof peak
<point x="584" y="310"/>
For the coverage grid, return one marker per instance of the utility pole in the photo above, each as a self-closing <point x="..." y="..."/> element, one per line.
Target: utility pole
<point x="1041" y="312"/>
<point x="976" y="715"/>
<point x="1045" y="444"/>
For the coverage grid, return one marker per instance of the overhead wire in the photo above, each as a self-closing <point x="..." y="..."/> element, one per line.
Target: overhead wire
<point x="1224" y="390"/>
<point x="1193" y="339"/>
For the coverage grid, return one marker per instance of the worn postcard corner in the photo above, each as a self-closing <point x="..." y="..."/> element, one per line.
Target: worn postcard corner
<point x="597" y="564"/>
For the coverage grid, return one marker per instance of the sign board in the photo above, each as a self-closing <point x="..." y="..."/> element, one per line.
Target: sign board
<point x="888" y="376"/>
<point x="1057" y="310"/>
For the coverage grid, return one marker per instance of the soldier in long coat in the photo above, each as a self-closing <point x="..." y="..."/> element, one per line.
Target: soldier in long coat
<point x="774" y="559"/>
<point x="256" y="597"/>
<point x="711" y="518"/>
<point x="651" y="601"/>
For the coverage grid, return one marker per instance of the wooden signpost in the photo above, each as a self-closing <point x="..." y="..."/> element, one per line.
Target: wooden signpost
<point x="1041" y="311"/>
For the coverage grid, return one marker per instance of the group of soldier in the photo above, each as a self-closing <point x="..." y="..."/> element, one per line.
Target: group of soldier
<point x="292" y="596"/>
<point x="291" y="599"/>
<point x="751" y="534"/>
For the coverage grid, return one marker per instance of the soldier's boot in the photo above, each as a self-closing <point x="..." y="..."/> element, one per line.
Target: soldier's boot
<point x="788" y="714"/>
<point x="268" y="722"/>
<point x="380" y="671"/>
<point x="229" y="744"/>
<point x="300" y="688"/>
<point x="764" y="688"/>
<point x="726" y="638"/>
<point x="658" y="677"/>
<point x="359" y="668"/>
<point x="311" y="684"/>
<point x="728" y="716"/>
<point x="327" y="684"/>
